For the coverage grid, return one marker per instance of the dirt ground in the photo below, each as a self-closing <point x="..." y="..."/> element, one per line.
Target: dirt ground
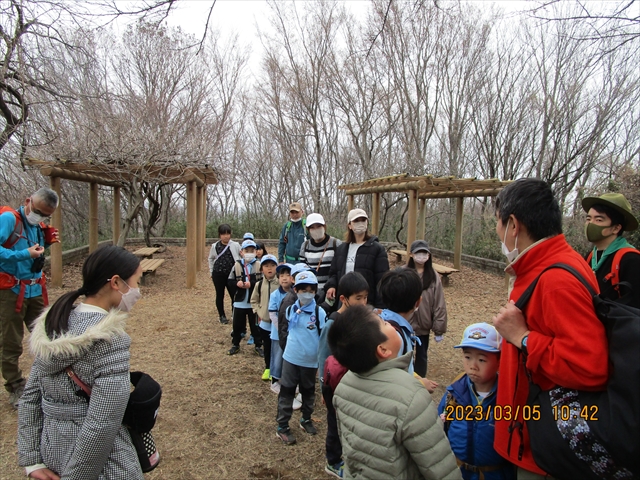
<point x="217" y="418"/>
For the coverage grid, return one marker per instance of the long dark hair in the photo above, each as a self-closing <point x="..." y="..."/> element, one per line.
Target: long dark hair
<point x="429" y="274"/>
<point x="99" y="267"/>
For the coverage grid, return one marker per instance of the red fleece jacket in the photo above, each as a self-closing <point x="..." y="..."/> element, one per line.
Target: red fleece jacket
<point x="567" y="345"/>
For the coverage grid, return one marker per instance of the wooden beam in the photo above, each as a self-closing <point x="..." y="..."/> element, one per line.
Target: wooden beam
<point x="422" y="207"/>
<point x="394" y="187"/>
<point x="93" y="216"/>
<point x="457" y="249"/>
<point x="77" y="176"/>
<point x="191" y="234"/>
<point x="479" y="192"/>
<point x="375" y="216"/>
<point x="199" y="247"/>
<point x="56" y="248"/>
<point x="412" y="218"/>
<point x="116" y="215"/>
<point x="349" y="203"/>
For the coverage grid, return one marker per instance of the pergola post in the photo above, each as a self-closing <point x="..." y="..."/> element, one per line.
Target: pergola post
<point x="203" y="238"/>
<point x="56" y="248"/>
<point x="199" y="247"/>
<point x="421" y="218"/>
<point x="116" y="215"/>
<point x="349" y="203"/>
<point x="375" y="215"/>
<point x="412" y="219"/>
<point x="93" y="216"/>
<point x="457" y="249"/>
<point x="191" y="233"/>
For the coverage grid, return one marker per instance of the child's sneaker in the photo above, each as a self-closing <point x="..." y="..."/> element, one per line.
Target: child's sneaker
<point x="233" y="350"/>
<point x="258" y="351"/>
<point x="336" y="470"/>
<point x="250" y="341"/>
<point x="307" y="426"/>
<point x="266" y="375"/>
<point x="223" y="320"/>
<point x="275" y="388"/>
<point x="297" y="402"/>
<point x="286" y="436"/>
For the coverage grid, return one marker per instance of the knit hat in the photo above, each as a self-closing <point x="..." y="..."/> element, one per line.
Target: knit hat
<point x="481" y="336"/>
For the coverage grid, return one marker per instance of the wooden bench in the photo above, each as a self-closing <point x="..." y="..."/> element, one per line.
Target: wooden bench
<point x="149" y="267"/>
<point x="146" y="252"/>
<point x="441" y="269"/>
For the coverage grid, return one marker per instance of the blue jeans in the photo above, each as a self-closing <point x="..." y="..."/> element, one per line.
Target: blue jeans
<point x="276" y="359"/>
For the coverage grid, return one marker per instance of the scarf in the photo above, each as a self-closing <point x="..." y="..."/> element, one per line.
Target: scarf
<point x="613" y="247"/>
<point x="297" y="309"/>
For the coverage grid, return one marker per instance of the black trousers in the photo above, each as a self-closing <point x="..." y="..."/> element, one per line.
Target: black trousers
<point x="333" y="446"/>
<point x="266" y="344"/>
<point x="420" y="359"/>
<point x="293" y="376"/>
<point x="240" y="316"/>
<point x="220" y="282"/>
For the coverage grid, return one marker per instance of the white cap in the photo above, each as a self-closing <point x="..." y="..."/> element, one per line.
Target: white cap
<point x="356" y="213"/>
<point x="481" y="336"/>
<point x="313" y="219"/>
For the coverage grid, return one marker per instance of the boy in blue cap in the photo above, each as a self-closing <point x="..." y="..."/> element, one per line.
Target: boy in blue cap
<point x="260" y="305"/>
<point x="471" y="434"/>
<point x="246" y="273"/>
<point x="300" y="358"/>
<point x="285" y="281"/>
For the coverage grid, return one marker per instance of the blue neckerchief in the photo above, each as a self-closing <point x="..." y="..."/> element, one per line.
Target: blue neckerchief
<point x="404" y="324"/>
<point x="296" y="309"/>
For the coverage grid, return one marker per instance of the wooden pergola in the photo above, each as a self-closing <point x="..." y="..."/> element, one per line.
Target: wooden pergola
<point x="196" y="180"/>
<point x="419" y="189"/>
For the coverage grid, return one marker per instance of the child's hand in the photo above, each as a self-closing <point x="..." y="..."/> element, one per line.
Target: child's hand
<point x="247" y="284"/>
<point x="240" y="284"/>
<point x="438" y="338"/>
<point x="430" y="385"/>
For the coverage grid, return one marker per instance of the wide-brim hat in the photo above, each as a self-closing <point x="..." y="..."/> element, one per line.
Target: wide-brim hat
<point x="618" y="202"/>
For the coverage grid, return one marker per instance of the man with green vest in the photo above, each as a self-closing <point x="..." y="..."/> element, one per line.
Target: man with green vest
<point x="292" y="235"/>
<point x="613" y="259"/>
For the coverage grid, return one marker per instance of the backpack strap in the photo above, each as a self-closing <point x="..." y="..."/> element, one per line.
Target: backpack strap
<point x="18" y="229"/>
<point x="239" y="270"/>
<point x="317" y="319"/>
<point x="401" y="332"/>
<point x="614" y="275"/>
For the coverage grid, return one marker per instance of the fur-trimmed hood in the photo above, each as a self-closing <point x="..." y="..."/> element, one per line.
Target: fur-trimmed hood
<point x="85" y="329"/>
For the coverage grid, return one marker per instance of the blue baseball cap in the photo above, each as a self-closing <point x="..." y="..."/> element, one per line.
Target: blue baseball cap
<point x="268" y="258"/>
<point x="248" y="236"/>
<point x="306" y="278"/>
<point x="299" y="267"/>
<point x="481" y="336"/>
<point x="248" y="243"/>
<point x="282" y="266"/>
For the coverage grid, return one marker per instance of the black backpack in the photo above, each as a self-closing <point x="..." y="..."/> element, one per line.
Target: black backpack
<point x="592" y="435"/>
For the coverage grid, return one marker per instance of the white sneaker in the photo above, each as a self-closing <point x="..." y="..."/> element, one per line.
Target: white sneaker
<point x="297" y="402"/>
<point x="275" y="388"/>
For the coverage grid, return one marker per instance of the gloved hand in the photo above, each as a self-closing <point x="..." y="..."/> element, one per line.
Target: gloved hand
<point x="438" y="338"/>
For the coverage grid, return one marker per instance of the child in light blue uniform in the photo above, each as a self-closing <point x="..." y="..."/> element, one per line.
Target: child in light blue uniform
<point x="300" y="358"/>
<point x="283" y="272"/>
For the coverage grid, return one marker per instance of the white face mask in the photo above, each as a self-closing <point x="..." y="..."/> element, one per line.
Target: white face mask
<point x="129" y="299"/>
<point x="511" y="255"/>
<point x="306" y="297"/>
<point x="420" y="258"/>
<point x="359" y="227"/>
<point x="317" y="234"/>
<point x="248" y="257"/>
<point x="296" y="220"/>
<point x="34" y="218"/>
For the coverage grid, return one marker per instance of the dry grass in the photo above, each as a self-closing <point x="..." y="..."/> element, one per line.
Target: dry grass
<point x="217" y="418"/>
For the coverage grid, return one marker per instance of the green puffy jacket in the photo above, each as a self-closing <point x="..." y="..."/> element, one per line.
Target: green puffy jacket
<point x="389" y="426"/>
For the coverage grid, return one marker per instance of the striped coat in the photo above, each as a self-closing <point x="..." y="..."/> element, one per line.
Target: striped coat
<point x="56" y="427"/>
<point x="318" y="256"/>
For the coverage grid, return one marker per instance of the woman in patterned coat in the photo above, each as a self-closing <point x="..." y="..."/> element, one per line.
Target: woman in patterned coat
<point x="60" y="433"/>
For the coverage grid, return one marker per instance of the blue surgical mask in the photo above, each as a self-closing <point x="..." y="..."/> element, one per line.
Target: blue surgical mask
<point x="306" y="297"/>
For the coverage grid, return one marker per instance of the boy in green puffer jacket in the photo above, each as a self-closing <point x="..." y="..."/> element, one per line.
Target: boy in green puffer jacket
<point x="388" y="424"/>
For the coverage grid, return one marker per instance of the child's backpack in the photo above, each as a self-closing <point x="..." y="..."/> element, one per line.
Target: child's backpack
<point x="591" y="435"/>
<point x="614" y="275"/>
<point x="17" y="230"/>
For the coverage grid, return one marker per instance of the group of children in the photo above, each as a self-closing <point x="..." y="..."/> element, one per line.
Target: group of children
<point x="381" y="422"/>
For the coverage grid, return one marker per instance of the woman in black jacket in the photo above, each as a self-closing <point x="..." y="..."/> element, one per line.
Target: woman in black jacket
<point x="360" y="253"/>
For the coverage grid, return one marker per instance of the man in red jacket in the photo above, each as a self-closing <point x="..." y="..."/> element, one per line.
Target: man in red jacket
<point x="558" y="334"/>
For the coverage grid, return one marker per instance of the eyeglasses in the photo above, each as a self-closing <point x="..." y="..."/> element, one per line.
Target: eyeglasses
<point x="38" y="212"/>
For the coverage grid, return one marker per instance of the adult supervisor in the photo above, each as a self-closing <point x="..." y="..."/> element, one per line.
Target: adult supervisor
<point x="292" y="236"/>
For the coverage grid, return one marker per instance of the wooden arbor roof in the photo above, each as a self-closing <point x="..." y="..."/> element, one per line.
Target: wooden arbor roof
<point x="116" y="175"/>
<point x="419" y="189"/>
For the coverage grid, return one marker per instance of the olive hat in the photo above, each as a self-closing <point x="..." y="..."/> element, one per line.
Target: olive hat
<point x="618" y="202"/>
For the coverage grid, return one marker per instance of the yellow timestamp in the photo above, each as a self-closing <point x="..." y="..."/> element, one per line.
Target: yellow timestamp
<point x="498" y="412"/>
<point x="566" y="412"/>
